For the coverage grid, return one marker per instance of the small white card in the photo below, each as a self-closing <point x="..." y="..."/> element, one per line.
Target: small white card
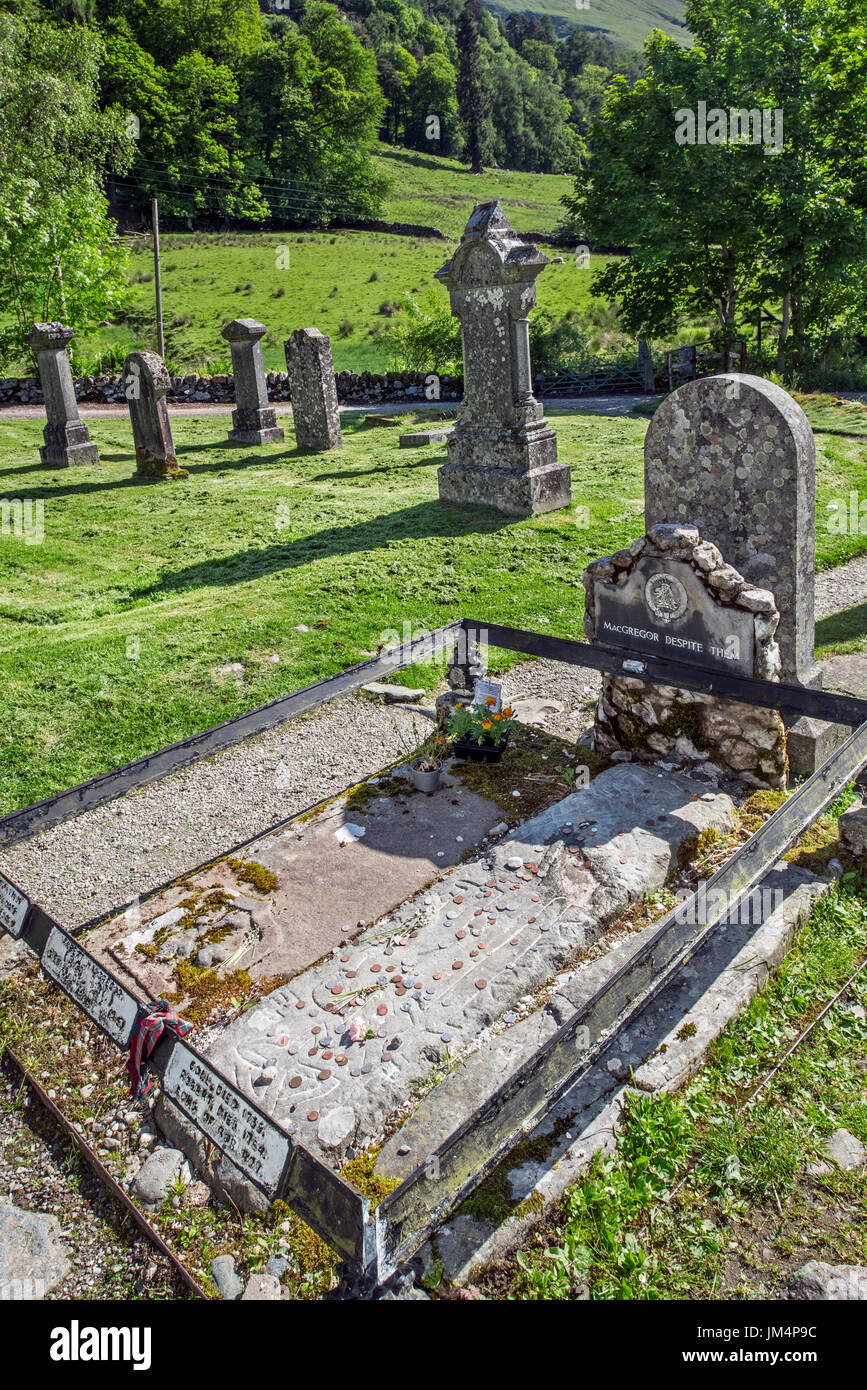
<point x="485" y="690"/>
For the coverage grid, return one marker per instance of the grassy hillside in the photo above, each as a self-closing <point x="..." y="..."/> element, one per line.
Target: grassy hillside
<point x="442" y="192"/>
<point x="623" y="21"/>
<point x="349" y="284"/>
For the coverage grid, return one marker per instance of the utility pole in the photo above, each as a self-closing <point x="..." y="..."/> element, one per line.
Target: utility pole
<point x="155" y="220"/>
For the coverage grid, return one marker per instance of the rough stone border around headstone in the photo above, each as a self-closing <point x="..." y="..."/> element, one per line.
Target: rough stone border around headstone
<point x="651" y="721"/>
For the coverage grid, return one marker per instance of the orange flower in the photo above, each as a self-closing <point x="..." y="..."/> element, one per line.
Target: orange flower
<point x="489" y="700"/>
<point x="507" y="711"/>
<point x="496" y="716"/>
<point x="486" y="723"/>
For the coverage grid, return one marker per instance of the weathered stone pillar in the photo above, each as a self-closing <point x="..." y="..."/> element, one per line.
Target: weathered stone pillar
<point x="254" y="421"/>
<point x="313" y="391"/>
<point x="645" y="367"/>
<point x="501" y="453"/>
<point x="146" y="384"/>
<point x="66" y="438"/>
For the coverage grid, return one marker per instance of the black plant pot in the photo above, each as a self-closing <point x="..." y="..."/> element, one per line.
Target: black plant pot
<point x="488" y="751"/>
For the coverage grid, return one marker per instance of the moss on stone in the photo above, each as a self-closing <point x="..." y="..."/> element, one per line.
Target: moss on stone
<point x="260" y="878"/>
<point x="360" y="1172"/>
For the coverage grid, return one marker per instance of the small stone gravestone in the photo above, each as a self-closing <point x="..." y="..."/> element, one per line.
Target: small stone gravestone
<point x="645" y="367"/>
<point x="67" y="440"/>
<point x="502" y="453"/>
<point x="146" y="384"/>
<point x="313" y="391"/>
<point x="253" y="420"/>
<point x="672" y="594"/>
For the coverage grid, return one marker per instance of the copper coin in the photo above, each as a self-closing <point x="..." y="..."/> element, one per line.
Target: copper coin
<point x="317" y="1028"/>
<point x="326" y="1056"/>
<point x="376" y="969"/>
<point x="483" y="945"/>
<point x="531" y="919"/>
<point x="481" y="984"/>
<point x="437" y="976"/>
<point x="528" y="864"/>
<point x="623" y="861"/>
<point x="344" y="959"/>
<point x="397" y="980"/>
<point x="486" y="895"/>
<point x="478" y="912"/>
<point x="489" y="883"/>
<point x="412" y="933"/>
<point x="458" y="898"/>
<point x="337" y="989"/>
<point x="457" y="965"/>
<point x="313" y="1051"/>
<point x="649" y="822"/>
<point x="417" y="984"/>
<point x="313" y="1115"/>
<point x="474" y="953"/>
<point x="351" y="974"/>
<point x="329" y="1008"/>
<point x="573" y="849"/>
<point x="460" y="935"/>
<point x="382" y="1010"/>
<point x="514" y="941"/>
<point x="535" y="898"/>
<point x="323" y="1075"/>
<point x="400" y="990"/>
<point x="294" y="1081"/>
<point x="515" y="886"/>
<point x="340" y="1059"/>
<point x="400" y="941"/>
<point x="301" y="1004"/>
<point x="388" y="969"/>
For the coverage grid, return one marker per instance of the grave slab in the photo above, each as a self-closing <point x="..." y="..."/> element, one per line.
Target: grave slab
<point x="353" y="1033"/>
<point x="349" y="862"/>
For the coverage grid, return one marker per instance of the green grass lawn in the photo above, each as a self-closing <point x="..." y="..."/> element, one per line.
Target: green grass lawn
<point x="623" y="21"/>
<point x="113" y="630"/>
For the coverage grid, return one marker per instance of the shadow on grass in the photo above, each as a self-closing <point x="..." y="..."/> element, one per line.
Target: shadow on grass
<point x="426" y="519"/>
<point x="847" y="626"/>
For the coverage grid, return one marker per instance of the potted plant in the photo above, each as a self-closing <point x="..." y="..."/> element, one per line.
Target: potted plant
<point x="480" y="731"/>
<point x="425" y="760"/>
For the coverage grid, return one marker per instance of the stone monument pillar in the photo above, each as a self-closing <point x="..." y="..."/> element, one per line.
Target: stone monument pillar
<point x="254" y="421"/>
<point x="313" y="391"/>
<point x="501" y="453"/>
<point x="146" y="384"/>
<point x="66" y="438"/>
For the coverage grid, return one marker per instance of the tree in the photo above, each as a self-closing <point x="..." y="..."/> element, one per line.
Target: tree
<point x="473" y="98"/>
<point x="59" y="253"/>
<point x="723" y="226"/>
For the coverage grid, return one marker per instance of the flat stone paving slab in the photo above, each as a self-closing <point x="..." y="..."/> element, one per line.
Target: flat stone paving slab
<point x="346" y="864"/>
<point x="32" y="1255"/>
<point x="335" y="1052"/>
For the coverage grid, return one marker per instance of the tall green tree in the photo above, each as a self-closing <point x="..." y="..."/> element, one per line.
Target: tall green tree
<point x="725" y="226"/>
<point x="59" y="253"/>
<point x="472" y="90"/>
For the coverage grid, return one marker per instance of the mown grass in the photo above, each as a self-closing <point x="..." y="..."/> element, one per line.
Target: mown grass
<point x="114" y="630"/>
<point x="748" y="1214"/>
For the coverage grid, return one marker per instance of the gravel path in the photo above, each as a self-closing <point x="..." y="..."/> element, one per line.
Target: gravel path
<point x="102" y="859"/>
<point x="841" y="588"/>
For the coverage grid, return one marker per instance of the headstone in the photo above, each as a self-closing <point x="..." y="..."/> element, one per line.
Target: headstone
<point x="502" y="453"/>
<point x="66" y="438"/>
<point x="645" y="367"/>
<point x="253" y="420"/>
<point x="313" y="391"/>
<point x="465" y="665"/>
<point x="672" y="594"/>
<point x="146" y="384"/>
<point x="734" y="455"/>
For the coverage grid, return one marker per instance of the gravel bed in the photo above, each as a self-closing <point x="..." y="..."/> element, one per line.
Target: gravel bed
<point x="109" y="1257"/>
<point x="102" y="859"/>
<point x="842" y="587"/>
